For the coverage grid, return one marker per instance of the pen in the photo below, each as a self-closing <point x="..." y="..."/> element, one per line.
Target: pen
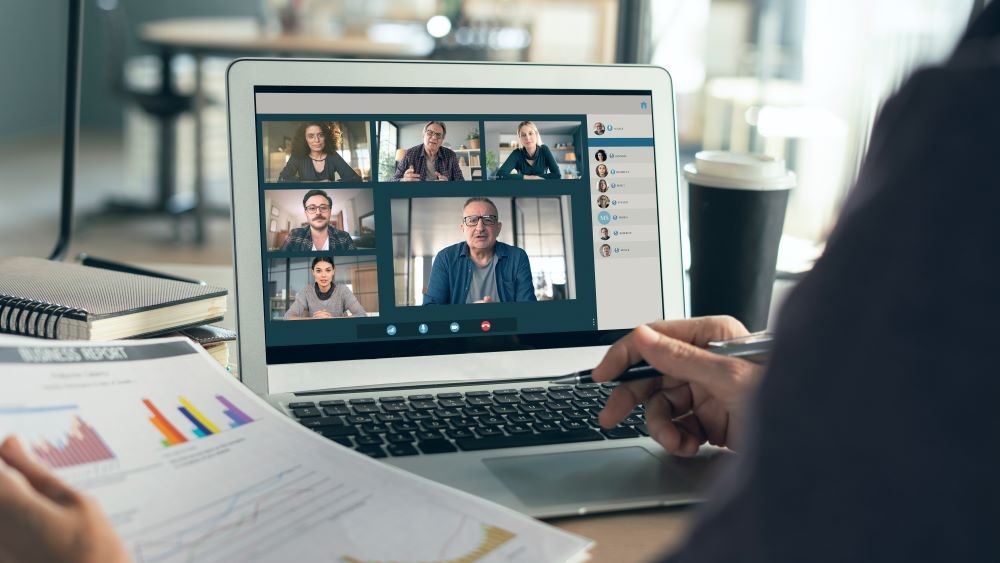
<point x="755" y="348"/>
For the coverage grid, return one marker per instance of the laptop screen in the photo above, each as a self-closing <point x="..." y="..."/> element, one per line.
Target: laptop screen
<point x="430" y="221"/>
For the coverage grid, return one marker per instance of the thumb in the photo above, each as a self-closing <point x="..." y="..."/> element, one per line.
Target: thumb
<point x="40" y="477"/>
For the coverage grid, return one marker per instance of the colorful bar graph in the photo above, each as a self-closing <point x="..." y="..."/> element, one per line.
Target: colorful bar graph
<point x="203" y="427"/>
<point x="239" y="418"/>
<point x="206" y="424"/>
<point x="170" y="433"/>
<point x="82" y="445"/>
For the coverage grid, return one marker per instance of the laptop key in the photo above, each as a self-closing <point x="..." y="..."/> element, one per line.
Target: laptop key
<point x="365" y="408"/>
<point x="587" y="393"/>
<point x="534" y="398"/>
<point x="451" y="403"/>
<point x="323" y="421"/>
<point x="372" y="440"/>
<point x="546" y="427"/>
<point x="546" y="416"/>
<point x="504" y="409"/>
<point x="403" y="426"/>
<point x="395" y="407"/>
<point x="642" y="428"/>
<point x="373" y="428"/>
<point x="434" y="424"/>
<point x="301" y="405"/>
<point x="399" y="450"/>
<point x="424" y="435"/>
<point x="620" y="432"/>
<point x="449" y="395"/>
<point x="489" y="431"/>
<point x="476" y="411"/>
<point x="584" y="403"/>
<point x="358" y="418"/>
<point x="507" y="399"/>
<point x="337" y="410"/>
<point x="477" y="393"/>
<point x="519" y="440"/>
<point x="532" y="407"/>
<point x="458" y="433"/>
<point x="399" y="437"/>
<point x="446" y="413"/>
<point x="363" y="401"/>
<point x="372" y="451"/>
<point x="505" y="392"/>
<point x="390" y="417"/>
<point x="478" y="401"/>
<point x="572" y="425"/>
<point x="332" y="403"/>
<point x="492" y="421"/>
<point x="421" y="397"/>
<point x="309" y="412"/>
<point x="587" y="385"/>
<point x="438" y="446"/>
<point x="631" y="421"/>
<point x="423" y="405"/>
<point x="417" y="416"/>
<point x="533" y="390"/>
<point x="558" y="405"/>
<point x="561" y="395"/>
<point x="393" y="399"/>
<point x="337" y="431"/>
<point x="559" y="388"/>
<point x="521" y="418"/>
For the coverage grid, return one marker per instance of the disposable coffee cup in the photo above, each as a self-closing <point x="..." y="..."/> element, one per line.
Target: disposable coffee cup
<point x="736" y="213"/>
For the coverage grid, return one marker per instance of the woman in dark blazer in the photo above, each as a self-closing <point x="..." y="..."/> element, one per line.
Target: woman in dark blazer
<point x="314" y="157"/>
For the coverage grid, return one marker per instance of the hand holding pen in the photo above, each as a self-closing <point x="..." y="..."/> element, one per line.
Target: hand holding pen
<point x="697" y="396"/>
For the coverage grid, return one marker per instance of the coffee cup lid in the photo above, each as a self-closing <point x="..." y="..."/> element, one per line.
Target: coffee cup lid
<point x="740" y="171"/>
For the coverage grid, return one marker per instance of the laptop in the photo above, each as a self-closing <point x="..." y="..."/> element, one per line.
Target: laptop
<point x="420" y="247"/>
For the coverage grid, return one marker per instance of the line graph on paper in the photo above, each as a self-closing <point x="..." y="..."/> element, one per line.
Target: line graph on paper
<point x="246" y="523"/>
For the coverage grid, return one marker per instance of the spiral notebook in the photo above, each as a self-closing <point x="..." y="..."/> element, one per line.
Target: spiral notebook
<point x="68" y="301"/>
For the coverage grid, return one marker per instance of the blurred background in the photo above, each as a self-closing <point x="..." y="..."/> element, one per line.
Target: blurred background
<point x="801" y="79"/>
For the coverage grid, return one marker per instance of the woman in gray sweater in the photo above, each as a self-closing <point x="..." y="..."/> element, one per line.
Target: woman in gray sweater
<point x="323" y="299"/>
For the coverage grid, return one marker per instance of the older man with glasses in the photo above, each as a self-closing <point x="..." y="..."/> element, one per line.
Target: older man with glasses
<point x="480" y="269"/>
<point x="429" y="161"/>
<point x="320" y="234"/>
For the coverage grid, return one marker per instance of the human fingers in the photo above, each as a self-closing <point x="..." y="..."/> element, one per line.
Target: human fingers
<point x="39" y="476"/>
<point x="721" y="376"/>
<point x="623" y="353"/>
<point x="677" y="430"/>
<point x="624" y="398"/>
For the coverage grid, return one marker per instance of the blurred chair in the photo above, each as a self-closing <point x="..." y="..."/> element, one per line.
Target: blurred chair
<point x="164" y="105"/>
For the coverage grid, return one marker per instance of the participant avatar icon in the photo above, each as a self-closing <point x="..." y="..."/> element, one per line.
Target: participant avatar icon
<point x="602" y="186"/>
<point x="603" y="201"/>
<point x="602" y="170"/>
<point x="600" y="155"/>
<point x="604" y="217"/>
<point x="605" y="250"/>
<point x="605" y="235"/>
<point x="598" y="128"/>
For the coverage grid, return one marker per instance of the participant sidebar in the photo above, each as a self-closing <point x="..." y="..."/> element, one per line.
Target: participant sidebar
<point x="626" y="235"/>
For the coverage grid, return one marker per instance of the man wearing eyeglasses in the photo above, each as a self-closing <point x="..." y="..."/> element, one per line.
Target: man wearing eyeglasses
<point x="320" y="234"/>
<point x="480" y="269"/>
<point x="429" y="161"/>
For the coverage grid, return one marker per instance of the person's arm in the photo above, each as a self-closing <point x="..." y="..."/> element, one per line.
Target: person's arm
<point x="401" y="167"/>
<point x="290" y="173"/>
<point x="455" y="173"/>
<point x="524" y="285"/>
<point x="700" y="397"/>
<point x="43" y="519"/>
<point x="550" y="162"/>
<point x="300" y="308"/>
<point x="347" y="174"/>
<point x="512" y="163"/>
<point x="352" y="304"/>
<point x="439" y="286"/>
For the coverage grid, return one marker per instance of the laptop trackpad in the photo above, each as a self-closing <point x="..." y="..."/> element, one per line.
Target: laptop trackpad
<point x="594" y="476"/>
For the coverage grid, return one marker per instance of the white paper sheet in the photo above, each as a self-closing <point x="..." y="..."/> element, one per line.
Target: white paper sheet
<point x="232" y="479"/>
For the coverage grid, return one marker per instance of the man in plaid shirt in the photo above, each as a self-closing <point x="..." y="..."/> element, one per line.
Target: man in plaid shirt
<point x="429" y="161"/>
<point x="320" y="234"/>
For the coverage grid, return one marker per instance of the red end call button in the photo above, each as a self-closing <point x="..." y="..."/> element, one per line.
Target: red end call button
<point x="486" y="326"/>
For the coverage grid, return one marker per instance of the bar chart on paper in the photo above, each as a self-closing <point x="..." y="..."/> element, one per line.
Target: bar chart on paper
<point x="56" y="434"/>
<point x="197" y="423"/>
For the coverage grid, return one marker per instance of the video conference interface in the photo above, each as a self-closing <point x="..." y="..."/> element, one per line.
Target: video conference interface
<point x="452" y="221"/>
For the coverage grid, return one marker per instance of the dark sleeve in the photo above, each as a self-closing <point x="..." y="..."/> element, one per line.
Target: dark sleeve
<point x="524" y="285"/>
<point x="439" y="285"/>
<point x="347" y="174"/>
<point x="550" y="163"/>
<point x="290" y="173"/>
<point x="512" y="163"/>
<point x="865" y="438"/>
<point x="456" y="171"/>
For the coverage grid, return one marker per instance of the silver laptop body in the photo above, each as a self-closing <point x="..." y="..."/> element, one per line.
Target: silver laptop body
<point x="598" y="265"/>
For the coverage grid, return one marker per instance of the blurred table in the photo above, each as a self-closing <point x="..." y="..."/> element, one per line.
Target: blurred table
<point x="245" y="37"/>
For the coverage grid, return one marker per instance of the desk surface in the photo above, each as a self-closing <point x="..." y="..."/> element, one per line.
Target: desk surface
<point x="244" y="36"/>
<point x="621" y="537"/>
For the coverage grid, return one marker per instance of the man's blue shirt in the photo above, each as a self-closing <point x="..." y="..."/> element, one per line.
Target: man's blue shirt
<point x="451" y="275"/>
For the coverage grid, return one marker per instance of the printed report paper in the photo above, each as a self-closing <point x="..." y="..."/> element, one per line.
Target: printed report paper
<point x="191" y="466"/>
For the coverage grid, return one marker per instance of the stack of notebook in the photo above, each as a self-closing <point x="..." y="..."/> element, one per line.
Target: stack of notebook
<point x="66" y="301"/>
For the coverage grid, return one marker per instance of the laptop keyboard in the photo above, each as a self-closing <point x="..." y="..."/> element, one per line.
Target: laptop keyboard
<point x="470" y="421"/>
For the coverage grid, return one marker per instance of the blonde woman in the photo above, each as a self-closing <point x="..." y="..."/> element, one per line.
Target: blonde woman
<point x="532" y="160"/>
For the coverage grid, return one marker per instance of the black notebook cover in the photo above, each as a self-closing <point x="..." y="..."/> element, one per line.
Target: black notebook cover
<point x="37" y="294"/>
